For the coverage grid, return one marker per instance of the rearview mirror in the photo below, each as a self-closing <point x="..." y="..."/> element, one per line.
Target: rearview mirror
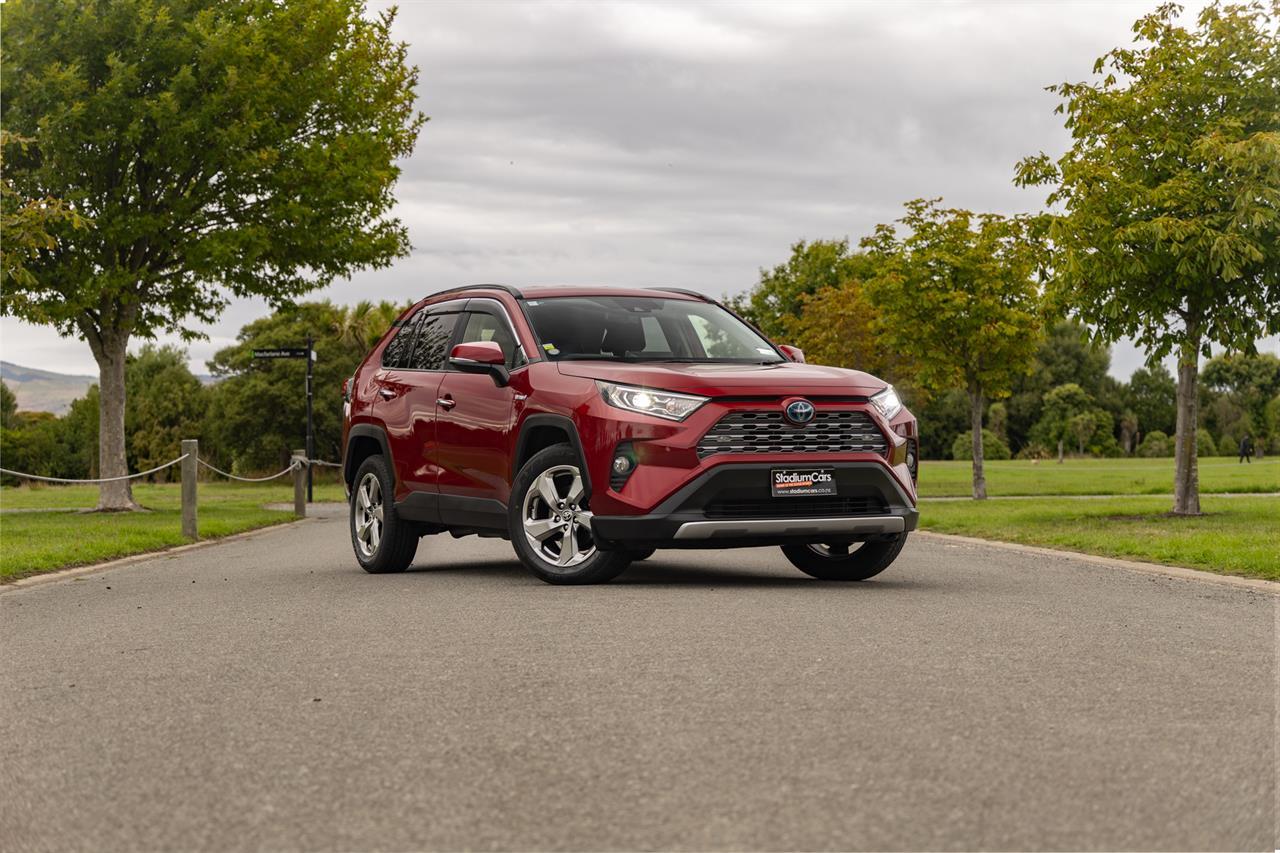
<point x="481" y="357"/>
<point x="792" y="353"/>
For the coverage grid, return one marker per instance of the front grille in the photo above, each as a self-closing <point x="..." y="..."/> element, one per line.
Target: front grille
<point x="814" y="506"/>
<point x="769" y="432"/>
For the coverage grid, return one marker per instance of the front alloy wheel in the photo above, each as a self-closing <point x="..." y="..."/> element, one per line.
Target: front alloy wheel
<point x="550" y="523"/>
<point x="556" y="525"/>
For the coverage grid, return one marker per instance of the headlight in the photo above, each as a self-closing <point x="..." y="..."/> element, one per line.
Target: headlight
<point x="660" y="404"/>
<point x="887" y="402"/>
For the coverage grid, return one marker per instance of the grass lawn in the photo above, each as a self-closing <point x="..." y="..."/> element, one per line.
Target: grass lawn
<point x="34" y="542"/>
<point x="1096" y="477"/>
<point x="1236" y="535"/>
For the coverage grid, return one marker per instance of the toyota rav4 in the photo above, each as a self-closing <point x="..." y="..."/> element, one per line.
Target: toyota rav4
<point x="591" y="425"/>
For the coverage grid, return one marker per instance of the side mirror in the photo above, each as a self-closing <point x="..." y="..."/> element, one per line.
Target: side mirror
<point x="481" y="357"/>
<point x="792" y="353"/>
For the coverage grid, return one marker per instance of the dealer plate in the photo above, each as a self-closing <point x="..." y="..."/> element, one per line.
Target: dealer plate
<point x="797" y="482"/>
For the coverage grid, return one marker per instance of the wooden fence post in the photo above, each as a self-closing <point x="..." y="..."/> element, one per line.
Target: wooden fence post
<point x="300" y="485"/>
<point x="191" y="448"/>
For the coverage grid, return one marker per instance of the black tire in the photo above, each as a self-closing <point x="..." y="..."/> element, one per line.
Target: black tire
<point x="587" y="565"/>
<point x="397" y="540"/>
<point x="858" y="564"/>
<point x="639" y="554"/>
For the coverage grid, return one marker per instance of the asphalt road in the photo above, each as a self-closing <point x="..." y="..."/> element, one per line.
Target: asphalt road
<point x="266" y="694"/>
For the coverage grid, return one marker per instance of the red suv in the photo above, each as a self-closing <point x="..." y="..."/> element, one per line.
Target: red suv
<point x="592" y="425"/>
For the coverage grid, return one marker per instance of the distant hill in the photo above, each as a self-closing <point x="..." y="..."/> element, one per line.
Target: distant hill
<point x="43" y="390"/>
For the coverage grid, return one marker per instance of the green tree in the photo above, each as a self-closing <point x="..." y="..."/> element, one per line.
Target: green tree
<point x="166" y="405"/>
<point x="245" y="434"/>
<point x="1129" y="426"/>
<point x="1250" y="380"/>
<point x="80" y="435"/>
<point x="1170" y="196"/>
<point x="998" y="418"/>
<point x="1151" y="394"/>
<point x="1067" y="354"/>
<point x="238" y="148"/>
<point x="1061" y="405"/>
<point x="812" y="267"/>
<point x="26" y="222"/>
<point x="1082" y="427"/>
<point x="957" y="296"/>
<point x="8" y="405"/>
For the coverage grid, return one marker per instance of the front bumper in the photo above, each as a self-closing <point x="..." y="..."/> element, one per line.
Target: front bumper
<point x="731" y="505"/>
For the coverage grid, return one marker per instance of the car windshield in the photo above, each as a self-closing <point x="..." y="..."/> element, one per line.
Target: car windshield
<point x="636" y="328"/>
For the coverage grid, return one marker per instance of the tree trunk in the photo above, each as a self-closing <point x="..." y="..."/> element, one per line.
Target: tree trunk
<point x="112" y="462"/>
<point x="1061" y="453"/>
<point x="1186" y="483"/>
<point x="975" y="418"/>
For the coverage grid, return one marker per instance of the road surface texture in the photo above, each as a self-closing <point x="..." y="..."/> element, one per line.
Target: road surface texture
<point x="265" y="693"/>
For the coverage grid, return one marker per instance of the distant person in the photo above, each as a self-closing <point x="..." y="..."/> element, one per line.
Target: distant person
<point x="1246" y="449"/>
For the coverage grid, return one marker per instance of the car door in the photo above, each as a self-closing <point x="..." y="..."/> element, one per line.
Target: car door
<point x="407" y="389"/>
<point x="474" y="422"/>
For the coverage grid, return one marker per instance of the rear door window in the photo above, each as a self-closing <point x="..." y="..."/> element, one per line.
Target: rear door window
<point x="396" y="353"/>
<point x="429" y="347"/>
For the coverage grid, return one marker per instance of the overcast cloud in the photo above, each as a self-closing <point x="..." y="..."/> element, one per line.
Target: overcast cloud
<point x="690" y="144"/>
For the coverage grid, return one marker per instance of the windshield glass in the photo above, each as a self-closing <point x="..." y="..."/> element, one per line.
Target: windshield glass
<point x="635" y="328"/>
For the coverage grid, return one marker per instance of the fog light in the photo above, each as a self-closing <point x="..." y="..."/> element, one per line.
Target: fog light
<point x="621" y="464"/>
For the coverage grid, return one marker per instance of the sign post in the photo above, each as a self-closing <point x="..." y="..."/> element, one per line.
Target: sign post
<point x="308" y="352"/>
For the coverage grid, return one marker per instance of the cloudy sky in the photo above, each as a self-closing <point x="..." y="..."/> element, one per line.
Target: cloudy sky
<point x="690" y="144"/>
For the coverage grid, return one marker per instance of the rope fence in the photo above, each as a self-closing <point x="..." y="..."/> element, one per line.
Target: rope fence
<point x="190" y="461"/>
<point x="295" y="464"/>
<point x="23" y="476"/>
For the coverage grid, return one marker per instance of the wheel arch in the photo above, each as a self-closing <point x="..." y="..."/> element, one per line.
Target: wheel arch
<point x="363" y="441"/>
<point x="540" y="431"/>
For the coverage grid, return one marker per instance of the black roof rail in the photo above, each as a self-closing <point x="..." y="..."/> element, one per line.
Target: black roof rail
<point x="506" y="288"/>
<point x="684" y="292"/>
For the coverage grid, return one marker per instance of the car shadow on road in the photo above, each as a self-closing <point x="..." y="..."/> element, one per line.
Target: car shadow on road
<point x="670" y="573"/>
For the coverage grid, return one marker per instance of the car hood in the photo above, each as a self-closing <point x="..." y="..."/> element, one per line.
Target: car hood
<point x="731" y="380"/>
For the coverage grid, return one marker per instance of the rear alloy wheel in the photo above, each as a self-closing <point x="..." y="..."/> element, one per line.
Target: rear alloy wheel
<point x="843" y="561"/>
<point x="551" y="523"/>
<point x="382" y="542"/>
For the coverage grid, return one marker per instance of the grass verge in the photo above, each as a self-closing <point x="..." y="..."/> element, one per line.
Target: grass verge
<point x="1236" y="535"/>
<point x="36" y="542"/>
<point x="1095" y="477"/>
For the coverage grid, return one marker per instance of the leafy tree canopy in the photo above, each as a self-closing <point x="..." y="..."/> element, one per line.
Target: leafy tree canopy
<point x="1171" y="190"/>
<point x="957" y="297"/>
<point x="221" y="148"/>
<point x="779" y="298"/>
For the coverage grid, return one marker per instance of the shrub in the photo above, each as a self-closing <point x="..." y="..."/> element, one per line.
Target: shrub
<point x="1204" y="443"/>
<point x="1155" y="443"/>
<point x="1228" y="445"/>
<point x="992" y="446"/>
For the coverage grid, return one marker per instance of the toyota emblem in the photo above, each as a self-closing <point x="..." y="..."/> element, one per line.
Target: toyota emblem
<point x="799" y="411"/>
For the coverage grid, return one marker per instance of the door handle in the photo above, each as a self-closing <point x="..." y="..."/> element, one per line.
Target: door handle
<point x="446" y="402"/>
<point x="387" y="393"/>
